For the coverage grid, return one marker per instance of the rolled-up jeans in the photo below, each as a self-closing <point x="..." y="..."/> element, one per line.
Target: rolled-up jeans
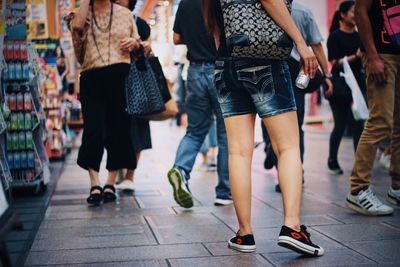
<point x="201" y="105"/>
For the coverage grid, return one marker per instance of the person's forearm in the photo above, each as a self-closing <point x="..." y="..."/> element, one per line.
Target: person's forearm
<point x="320" y="54"/>
<point x="81" y="14"/>
<point x="280" y="14"/>
<point x="365" y="28"/>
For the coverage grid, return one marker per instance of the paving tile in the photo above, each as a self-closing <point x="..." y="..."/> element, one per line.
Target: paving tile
<point x="235" y="261"/>
<point x="91" y="223"/>
<point x="76" y="242"/>
<point x="182" y="219"/>
<point x="116" y="254"/>
<point x="358" y="232"/>
<point x="59" y="234"/>
<point x="106" y="213"/>
<point x="190" y="234"/>
<point x="350" y="216"/>
<point x="145" y="263"/>
<point x="331" y="258"/>
<point x="382" y="251"/>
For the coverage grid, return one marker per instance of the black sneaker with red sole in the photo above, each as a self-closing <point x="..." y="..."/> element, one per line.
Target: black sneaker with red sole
<point x="299" y="241"/>
<point x="242" y="243"/>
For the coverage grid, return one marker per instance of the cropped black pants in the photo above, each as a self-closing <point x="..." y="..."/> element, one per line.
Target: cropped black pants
<point x="106" y="123"/>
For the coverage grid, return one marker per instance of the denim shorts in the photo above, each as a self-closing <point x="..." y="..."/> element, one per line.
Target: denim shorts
<point x="249" y="86"/>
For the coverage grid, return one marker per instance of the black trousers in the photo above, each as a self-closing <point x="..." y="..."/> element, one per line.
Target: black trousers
<point x="106" y="123"/>
<point x="342" y="116"/>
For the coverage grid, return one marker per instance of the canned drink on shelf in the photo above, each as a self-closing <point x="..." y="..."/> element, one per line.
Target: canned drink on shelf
<point x="24" y="50"/>
<point x="12" y="101"/>
<point x="10" y="51"/>
<point x="15" y="141"/>
<point x="17" y="160"/>
<point x="31" y="159"/>
<point x="18" y="71"/>
<point x="11" y="71"/>
<point x="27" y="101"/>
<point x="10" y="160"/>
<point x="17" y="50"/>
<point x="20" y="101"/>
<point x="14" y="121"/>
<point x="26" y="70"/>
<point x="28" y="121"/>
<point x="21" y="121"/>
<point x="10" y="145"/>
<point x="24" y="160"/>
<point x="29" y="140"/>
<point x="21" y="141"/>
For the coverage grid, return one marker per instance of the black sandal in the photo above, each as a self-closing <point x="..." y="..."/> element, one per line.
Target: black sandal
<point x="108" y="196"/>
<point x="95" y="198"/>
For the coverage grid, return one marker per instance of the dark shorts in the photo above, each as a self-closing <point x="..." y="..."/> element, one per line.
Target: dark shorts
<point x="249" y="86"/>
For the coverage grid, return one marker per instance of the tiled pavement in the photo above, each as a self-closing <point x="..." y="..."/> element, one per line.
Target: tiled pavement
<point x="147" y="228"/>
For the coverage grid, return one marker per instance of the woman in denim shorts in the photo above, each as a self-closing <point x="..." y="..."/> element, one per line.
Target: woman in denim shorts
<point x="250" y="86"/>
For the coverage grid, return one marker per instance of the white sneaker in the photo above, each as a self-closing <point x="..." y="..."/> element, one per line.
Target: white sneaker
<point x="385" y="161"/>
<point x="367" y="203"/>
<point x="222" y="202"/>
<point x="394" y="196"/>
<point x="126" y="185"/>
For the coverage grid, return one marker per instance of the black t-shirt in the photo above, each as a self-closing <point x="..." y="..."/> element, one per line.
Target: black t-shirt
<point x="189" y="23"/>
<point x="382" y="40"/>
<point x="341" y="44"/>
<point x="143" y="28"/>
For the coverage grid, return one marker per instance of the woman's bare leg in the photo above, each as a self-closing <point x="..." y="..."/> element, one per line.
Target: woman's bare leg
<point x="240" y="133"/>
<point x="284" y="133"/>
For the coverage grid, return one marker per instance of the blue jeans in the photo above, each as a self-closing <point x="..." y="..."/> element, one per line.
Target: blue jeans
<point x="201" y="104"/>
<point x="211" y="139"/>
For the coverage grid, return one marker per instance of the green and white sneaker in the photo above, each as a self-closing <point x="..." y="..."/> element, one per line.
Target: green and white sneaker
<point x="179" y="182"/>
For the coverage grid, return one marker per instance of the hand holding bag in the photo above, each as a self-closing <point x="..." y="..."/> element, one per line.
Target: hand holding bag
<point x="171" y="108"/>
<point x="143" y="97"/>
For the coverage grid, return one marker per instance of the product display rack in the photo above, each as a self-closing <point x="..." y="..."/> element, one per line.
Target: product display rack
<point x="26" y="133"/>
<point x="59" y="141"/>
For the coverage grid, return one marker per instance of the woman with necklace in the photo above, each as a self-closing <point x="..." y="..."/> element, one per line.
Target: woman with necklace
<point x="110" y="35"/>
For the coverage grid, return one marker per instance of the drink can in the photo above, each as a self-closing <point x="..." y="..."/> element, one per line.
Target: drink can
<point x="21" y="121"/>
<point x="26" y="70"/>
<point x="302" y="80"/>
<point x="27" y="101"/>
<point x="24" y="50"/>
<point x="18" y="71"/>
<point x="17" y="50"/>
<point x="24" y="160"/>
<point x="29" y="140"/>
<point x="28" y="121"/>
<point x="10" y="146"/>
<point x="14" y="121"/>
<point x="21" y="140"/>
<point x="31" y="159"/>
<point x="10" y="160"/>
<point x="11" y="71"/>
<point x="20" y="101"/>
<point x="12" y="102"/>
<point x="17" y="160"/>
<point x="10" y="51"/>
<point x="15" y="141"/>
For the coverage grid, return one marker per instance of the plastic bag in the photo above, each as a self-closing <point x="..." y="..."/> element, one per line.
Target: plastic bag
<point x="358" y="107"/>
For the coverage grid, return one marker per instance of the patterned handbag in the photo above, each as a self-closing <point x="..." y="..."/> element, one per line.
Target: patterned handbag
<point x="251" y="33"/>
<point x="143" y="97"/>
